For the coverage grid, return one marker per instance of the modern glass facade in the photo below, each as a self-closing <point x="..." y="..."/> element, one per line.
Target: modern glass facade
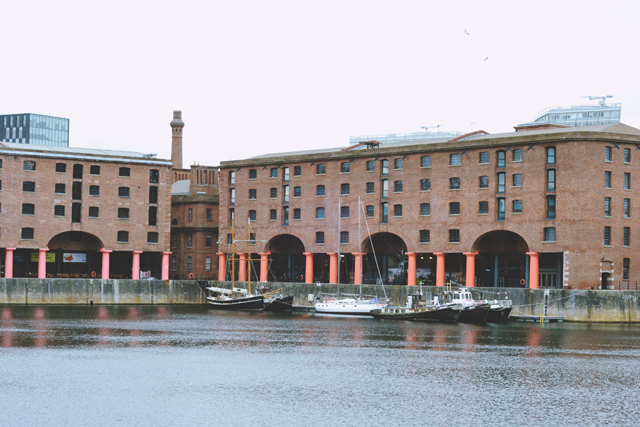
<point x="34" y="129"/>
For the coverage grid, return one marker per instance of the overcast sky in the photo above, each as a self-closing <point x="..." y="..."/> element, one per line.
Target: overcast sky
<point x="255" y="77"/>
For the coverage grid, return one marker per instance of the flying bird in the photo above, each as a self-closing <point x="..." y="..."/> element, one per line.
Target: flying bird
<point x="465" y="31"/>
<point x="486" y="58"/>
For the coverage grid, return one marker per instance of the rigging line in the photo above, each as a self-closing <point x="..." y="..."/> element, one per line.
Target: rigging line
<point x="374" y="253"/>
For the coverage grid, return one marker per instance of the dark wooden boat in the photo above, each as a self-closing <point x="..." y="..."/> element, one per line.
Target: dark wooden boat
<point x="427" y="314"/>
<point x="499" y="314"/>
<point x="253" y="302"/>
<point x="474" y="314"/>
<point x="278" y="304"/>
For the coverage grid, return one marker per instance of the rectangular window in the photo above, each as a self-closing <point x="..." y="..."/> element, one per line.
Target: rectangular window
<point x="285" y="191"/>
<point x="232" y="196"/>
<point x="501" y="159"/>
<point x="501" y="182"/>
<point x="484" y="182"/>
<point x="319" y="237"/>
<point x="425" y="161"/>
<point x="285" y="215"/>
<point x="370" y="211"/>
<point x="94" y="190"/>
<point x="153" y="194"/>
<point x="627" y="181"/>
<point x="385" y="212"/>
<point x="29" y="165"/>
<point x="319" y="213"/>
<point x="484" y="157"/>
<point x="425" y="209"/>
<point x="627" y="208"/>
<point x="626" y="262"/>
<point x="607" y="206"/>
<point x="61" y="167"/>
<point x="320" y="169"/>
<point x="397" y="186"/>
<point x="501" y="208"/>
<point x="94" y="212"/>
<point x="608" y="154"/>
<point x="454" y="183"/>
<point x="626" y="236"/>
<point x="345" y="167"/>
<point x="123" y="191"/>
<point x="344" y="212"/>
<point x="173" y="263"/>
<point x="229" y="239"/>
<point x="154" y="176"/>
<point x="273" y="193"/>
<point x="551" y="180"/>
<point x="209" y="214"/>
<point x="454" y="208"/>
<point x="124" y="172"/>
<point x="252" y="215"/>
<point x="123" y="213"/>
<point x="29" y="187"/>
<point x="425" y="184"/>
<point x="397" y="210"/>
<point x="27" y="234"/>
<point x="385" y="188"/>
<point x="76" y="212"/>
<point x="174" y="241"/>
<point x="483" y="208"/>
<point x="454" y="160"/>
<point x="285" y="174"/>
<point x="296" y="213"/>
<point x="58" y="210"/>
<point x="77" y="171"/>
<point x="551" y="155"/>
<point x="607" y="179"/>
<point x="28" y="209"/>
<point x="344" y="189"/>
<point x="189" y="264"/>
<point x="371" y="165"/>
<point x="549" y="234"/>
<point x="207" y="264"/>
<point x="397" y="163"/>
<point x="627" y="155"/>
<point x="76" y="190"/>
<point x="454" y="236"/>
<point x="517" y="155"/>
<point x="425" y="236"/>
<point x="320" y="190"/>
<point x="94" y="170"/>
<point x="153" y="215"/>
<point x="607" y="236"/>
<point x="273" y="215"/>
<point x="152" y="237"/>
<point x="297" y="170"/>
<point x="297" y="191"/>
<point x="370" y="187"/>
<point x="344" y="237"/>
<point x="189" y="241"/>
<point x="274" y="172"/>
<point x="385" y="167"/>
<point x="252" y="194"/>
<point x="253" y="174"/>
<point x="517" y="206"/>
<point x="517" y="180"/>
<point x="551" y="207"/>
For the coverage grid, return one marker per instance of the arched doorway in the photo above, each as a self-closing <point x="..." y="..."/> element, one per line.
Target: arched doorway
<point x="501" y="260"/>
<point x="287" y="259"/>
<point x="74" y="254"/>
<point x="389" y="264"/>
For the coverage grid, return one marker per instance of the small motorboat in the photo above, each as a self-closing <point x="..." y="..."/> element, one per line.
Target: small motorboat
<point x="426" y="314"/>
<point x="278" y="303"/>
<point x="471" y="311"/>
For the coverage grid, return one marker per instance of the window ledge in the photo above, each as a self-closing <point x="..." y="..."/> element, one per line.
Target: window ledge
<point x="454" y="243"/>
<point x="483" y="188"/>
<point x="516" y="213"/>
<point x="455" y="166"/>
<point x="546" y="242"/>
<point x="425" y="167"/>
<point x="454" y="189"/>
<point x="483" y="214"/>
<point x="454" y="214"/>
<point x="425" y="191"/>
<point x="424" y="243"/>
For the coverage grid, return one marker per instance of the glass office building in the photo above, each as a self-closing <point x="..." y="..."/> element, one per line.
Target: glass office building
<point x="34" y="129"/>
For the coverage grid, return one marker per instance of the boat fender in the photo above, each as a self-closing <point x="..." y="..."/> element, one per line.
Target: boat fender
<point x="325" y="300"/>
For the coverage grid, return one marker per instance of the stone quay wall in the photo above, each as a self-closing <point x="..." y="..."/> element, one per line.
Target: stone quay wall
<point x="576" y="305"/>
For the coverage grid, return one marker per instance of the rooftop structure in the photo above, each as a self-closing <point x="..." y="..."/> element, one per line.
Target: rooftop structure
<point x="582" y="115"/>
<point x="391" y="138"/>
<point x="27" y="128"/>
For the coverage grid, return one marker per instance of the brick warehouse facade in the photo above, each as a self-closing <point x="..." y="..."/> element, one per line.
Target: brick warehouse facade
<point x="73" y="212"/>
<point x="542" y="206"/>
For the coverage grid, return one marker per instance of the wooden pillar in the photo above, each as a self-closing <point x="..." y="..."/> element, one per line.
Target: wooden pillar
<point x="42" y="263"/>
<point x="412" y="271"/>
<point x="222" y="266"/>
<point x="135" y="270"/>
<point x="242" y="267"/>
<point x="8" y="263"/>
<point x="471" y="268"/>
<point x="308" y="271"/>
<point x="333" y="267"/>
<point x="439" y="268"/>
<point x="264" y="266"/>
<point x="534" y="274"/>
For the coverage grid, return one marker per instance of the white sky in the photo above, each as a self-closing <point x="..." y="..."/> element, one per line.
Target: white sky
<point x="255" y="77"/>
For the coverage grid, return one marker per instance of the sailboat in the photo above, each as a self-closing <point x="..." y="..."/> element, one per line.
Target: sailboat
<point x="356" y="305"/>
<point x="235" y="298"/>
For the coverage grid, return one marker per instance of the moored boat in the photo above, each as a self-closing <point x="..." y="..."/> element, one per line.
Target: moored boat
<point x="278" y="303"/>
<point x="471" y="311"/>
<point x="348" y="306"/>
<point x="498" y="314"/>
<point x="427" y="314"/>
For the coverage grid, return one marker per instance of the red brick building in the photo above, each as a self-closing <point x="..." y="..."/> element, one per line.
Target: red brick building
<point x="543" y="206"/>
<point x="71" y="212"/>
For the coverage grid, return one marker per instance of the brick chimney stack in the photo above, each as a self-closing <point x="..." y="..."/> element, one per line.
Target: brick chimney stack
<point x="176" y="139"/>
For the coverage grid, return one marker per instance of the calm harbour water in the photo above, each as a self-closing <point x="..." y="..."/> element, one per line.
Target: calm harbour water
<point x="174" y="366"/>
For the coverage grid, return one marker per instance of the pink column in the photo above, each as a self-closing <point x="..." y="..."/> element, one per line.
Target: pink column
<point x="439" y="268"/>
<point x="42" y="263"/>
<point x="8" y="263"/>
<point x="222" y="265"/>
<point x="412" y="270"/>
<point x="534" y="273"/>
<point x="242" y="268"/>
<point x="308" y="271"/>
<point x="357" y="274"/>
<point x="135" y="270"/>
<point x="264" y="266"/>
<point x="333" y="267"/>
<point x="165" y="266"/>
<point x="471" y="268"/>
<point x="105" y="263"/>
